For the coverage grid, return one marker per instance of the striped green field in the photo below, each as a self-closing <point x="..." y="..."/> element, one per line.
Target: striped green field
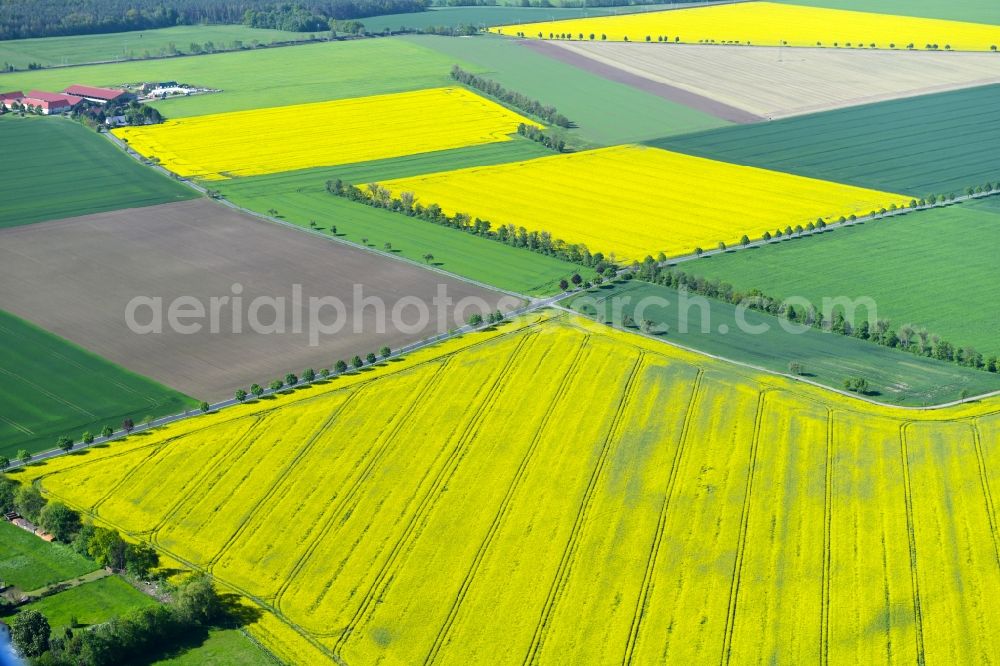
<point x="79" y="49"/>
<point x="63" y="170"/>
<point x="924" y="145"/>
<point x="762" y="340"/>
<point x="500" y="14"/>
<point x="935" y="269"/>
<point x="52" y="387"/>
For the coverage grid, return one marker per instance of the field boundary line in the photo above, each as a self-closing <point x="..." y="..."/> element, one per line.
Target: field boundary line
<point x="281" y="476"/>
<point x="346" y="501"/>
<point x="533" y="307"/>
<point x="776" y="373"/>
<point x="512" y="488"/>
<point x="860" y="219"/>
<point x="734" y="589"/>
<point x="426" y="503"/>
<point x="987" y="492"/>
<point x="914" y="577"/>
<point x="569" y="551"/>
<point x="291" y="225"/>
<point x="646" y="590"/>
<point x="824" y="634"/>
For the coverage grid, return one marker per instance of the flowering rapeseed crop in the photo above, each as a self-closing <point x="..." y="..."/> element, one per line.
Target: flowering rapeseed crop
<point x="284" y="138"/>
<point x="634" y="200"/>
<point x="699" y="513"/>
<point x="770" y="24"/>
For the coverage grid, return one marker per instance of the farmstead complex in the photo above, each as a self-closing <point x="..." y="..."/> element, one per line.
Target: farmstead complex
<point x="409" y="332"/>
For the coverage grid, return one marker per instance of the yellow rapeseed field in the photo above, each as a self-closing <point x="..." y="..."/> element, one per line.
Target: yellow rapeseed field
<point x="284" y="138"/>
<point x="557" y="492"/>
<point x="637" y="201"/>
<point x="770" y="24"/>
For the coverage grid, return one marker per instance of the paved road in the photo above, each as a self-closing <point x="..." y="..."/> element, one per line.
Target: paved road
<point x="532" y="306"/>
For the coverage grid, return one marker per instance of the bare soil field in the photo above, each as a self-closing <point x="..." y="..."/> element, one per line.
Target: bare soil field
<point x="773" y="82"/>
<point x="76" y="277"/>
<point x="614" y="71"/>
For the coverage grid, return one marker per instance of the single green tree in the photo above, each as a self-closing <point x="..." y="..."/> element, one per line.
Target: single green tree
<point x="30" y="633"/>
<point x="197" y="601"/>
<point x="371" y="358"/>
<point x="88" y="437"/>
<point x="277" y="385"/>
<point x="476" y="319"/>
<point x="309" y="375"/>
<point x="65" y="443"/>
<point x="29" y="502"/>
<point x="140" y="559"/>
<point x="340" y="367"/>
<point x="357" y="362"/>
<point x="107" y="431"/>
<point x="240" y="395"/>
<point x="204" y="407"/>
<point x="107" y="548"/>
<point x="385" y="352"/>
<point x="60" y="521"/>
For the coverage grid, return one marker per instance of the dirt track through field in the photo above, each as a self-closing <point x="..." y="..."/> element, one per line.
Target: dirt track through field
<point x="694" y="100"/>
<point x="76" y="276"/>
<point x="772" y="82"/>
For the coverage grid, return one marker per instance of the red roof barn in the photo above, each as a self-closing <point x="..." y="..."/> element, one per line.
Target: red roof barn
<point x="49" y="102"/>
<point x="102" y="95"/>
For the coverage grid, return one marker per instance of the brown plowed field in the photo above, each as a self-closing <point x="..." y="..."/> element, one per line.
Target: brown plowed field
<point x="76" y="276"/>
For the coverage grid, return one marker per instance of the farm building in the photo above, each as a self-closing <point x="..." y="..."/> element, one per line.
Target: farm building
<point x="99" y="95"/>
<point x="46" y="102"/>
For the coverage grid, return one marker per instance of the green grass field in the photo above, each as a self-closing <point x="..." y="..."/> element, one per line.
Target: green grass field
<point x="30" y="563"/>
<point x="932" y="144"/>
<point x="222" y="647"/>
<point x="977" y="11"/>
<point x="896" y="377"/>
<point x="266" y="77"/>
<point x="90" y="603"/>
<point x="50" y="51"/>
<point x="300" y="196"/>
<point x="935" y="269"/>
<point x="594" y="103"/>
<point x="497" y="15"/>
<point x="52" y="387"/>
<point x="64" y="170"/>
